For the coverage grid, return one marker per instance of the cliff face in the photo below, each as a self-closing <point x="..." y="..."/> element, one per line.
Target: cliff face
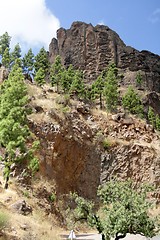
<point x="73" y="152"/>
<point x="91" y="49"/>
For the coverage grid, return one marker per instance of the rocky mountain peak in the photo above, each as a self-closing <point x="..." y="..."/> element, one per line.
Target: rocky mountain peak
<point x="91" y="48"/>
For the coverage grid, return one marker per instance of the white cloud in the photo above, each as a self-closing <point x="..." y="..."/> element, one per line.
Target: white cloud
<point x="101" y="22"/>
<point x="28" y="22"/>
<point x="155" y="16"/>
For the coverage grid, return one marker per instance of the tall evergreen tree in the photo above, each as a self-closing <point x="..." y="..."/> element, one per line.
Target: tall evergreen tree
<point x="41" y="61"/>
<point x="67" y="77"/>
<point x="139" y="79"/>
<point x="16" y="54"/>
<point x="77" y="86"/>
<point x="97" y="89"/>
<point x="4" y="43"/>
<point x="56" y="72"/>
<point x="111" y="88"/>
<point x="28" y="62"/>
<point x="14" y="131"/>
<point x="40" y="77"/>
<point x="6" y="58"/>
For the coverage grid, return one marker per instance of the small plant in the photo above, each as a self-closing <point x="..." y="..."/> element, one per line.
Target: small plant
<point x="65" y="109"/>
<point x="52" y="197"/>
<point x="26" y="194"/>
<point x="107" y="143"/>
<point x="34" y="165"/>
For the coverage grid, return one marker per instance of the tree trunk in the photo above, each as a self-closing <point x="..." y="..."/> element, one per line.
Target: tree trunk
<point x="119" y="236"/>
<point x="103" y="237"/>
<point x="6" y="183"/>
<point x="100" y="99"/>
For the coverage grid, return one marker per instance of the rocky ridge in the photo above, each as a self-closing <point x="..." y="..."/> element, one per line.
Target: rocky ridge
<point x="91" y="49"/>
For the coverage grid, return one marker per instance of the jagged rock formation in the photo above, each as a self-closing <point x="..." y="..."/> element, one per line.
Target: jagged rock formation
<point x="91" y="49"/>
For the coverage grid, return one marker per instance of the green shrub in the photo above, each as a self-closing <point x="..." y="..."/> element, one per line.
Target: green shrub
<point x="151" y="117"/>
<point x="107" y="143"/>
<point x="34" y="165"/>
<point x="52" y="197"/>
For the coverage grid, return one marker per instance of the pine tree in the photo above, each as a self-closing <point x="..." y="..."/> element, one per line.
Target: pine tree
<point x="111" y="88"/>
<point x="4" y="43"/>
<point x="14" y="131"/>
<point x="67" y="77"/>
<point x="28" y="62"/>
<point x="139" y="79"/>
<point x="40" y="77"/>
<point x="16" y="54"/>
<point x="151" y="117"/>
<point x="41" y="61"/>
<point x="97" y="89"/>
<point x="77" y="86"/>
<point x="132" y="102"/>
<point x="6" y="58"/>
<point x="56" y="72"/>
<point x="157" y="122"/>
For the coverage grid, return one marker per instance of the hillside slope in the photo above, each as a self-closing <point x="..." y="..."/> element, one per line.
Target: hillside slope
<point x="83" y="146"/>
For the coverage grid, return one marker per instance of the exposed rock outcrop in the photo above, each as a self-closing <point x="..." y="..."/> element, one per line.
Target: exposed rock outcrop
<point x="84" y="147"/>
<point x="91" y="49"/>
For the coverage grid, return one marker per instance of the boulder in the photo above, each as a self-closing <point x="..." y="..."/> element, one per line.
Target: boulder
<point x="21" y="207"/>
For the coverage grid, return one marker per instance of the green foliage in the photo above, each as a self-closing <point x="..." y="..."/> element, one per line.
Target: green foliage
<point x="4" y="220"/>
<point x="52" y="197"/>
<point x="67" y="77"/>
<point x="26" y="194"/>
<point x="126" y="209"/>
<point x="14" y="131"/>
<point x="77" y="86"/>
<point x="132" y="102"/>
<point x="111" y="88"/>
<point x="97" y="89"/>
<point x="40" y="77"/>
<point x="83" y="209"/>
<point x="57" y="74"/>
<point x="28" y="62"/>
<point x="41" y="61"/>
<point x="157" y="122"/>
<point x="4" y="43"/>
<point x="6" y="58"/>
<point x="107" y="143"/>
<point x="139" y="79"/>
<point x="34" y="165"/>
<point x="16" y="54"/>
<point x="151" y="116"/>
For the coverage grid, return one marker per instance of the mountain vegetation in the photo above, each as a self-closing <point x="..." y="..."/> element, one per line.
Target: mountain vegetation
<point x="122" y="207"/>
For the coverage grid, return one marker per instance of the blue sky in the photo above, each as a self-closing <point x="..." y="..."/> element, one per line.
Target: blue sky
<point x="136" y="21"/>
<point x="33" y="23"/>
